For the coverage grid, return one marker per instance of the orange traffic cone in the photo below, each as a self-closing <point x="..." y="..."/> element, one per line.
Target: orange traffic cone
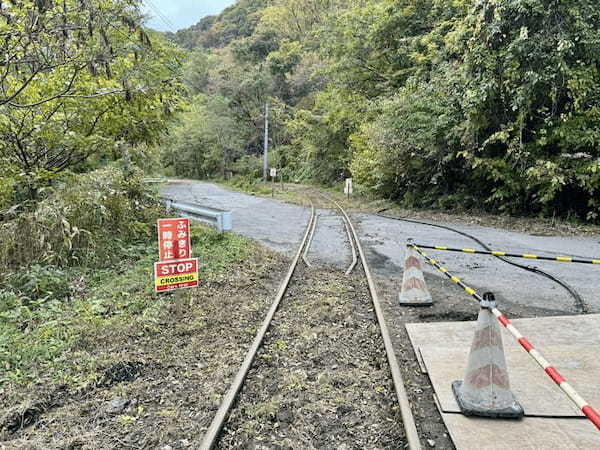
<point x="414" y="291"/>
<point x="485" y="391"/>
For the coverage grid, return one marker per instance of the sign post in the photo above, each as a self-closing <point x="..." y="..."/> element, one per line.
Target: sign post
<point x="266" y="145"/>
<point x="176" y="268"/>
<point x="273" y="174"/>
<point x="348" y="189"/>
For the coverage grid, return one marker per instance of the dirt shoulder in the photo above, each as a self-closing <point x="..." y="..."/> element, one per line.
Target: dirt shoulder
<point x="149" y="374"/>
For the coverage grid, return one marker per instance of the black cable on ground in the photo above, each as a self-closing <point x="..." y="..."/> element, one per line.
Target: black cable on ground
<point x="580" y="305"/>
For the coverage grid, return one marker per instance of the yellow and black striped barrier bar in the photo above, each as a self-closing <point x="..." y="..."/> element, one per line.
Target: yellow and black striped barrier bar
<point x="569" y="259"/>
<point x="550" y="370"/>
<point x="445" y="271"/>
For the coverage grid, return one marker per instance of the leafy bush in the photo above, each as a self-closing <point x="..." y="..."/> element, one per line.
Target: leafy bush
<point x="39" y="282"/>
<point x="80" y="221"/>
<point x="6" y="192"/>
<point x="407" y="152"/>
<point x="249" y="167"/>
<point x="9" y="301"/>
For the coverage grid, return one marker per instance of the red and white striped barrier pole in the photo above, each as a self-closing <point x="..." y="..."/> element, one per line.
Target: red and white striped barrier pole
<point x="584" y="406"/>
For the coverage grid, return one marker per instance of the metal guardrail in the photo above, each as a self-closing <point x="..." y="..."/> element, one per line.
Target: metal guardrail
<point x="155" y="180"/>
<point x="222" y="219"/>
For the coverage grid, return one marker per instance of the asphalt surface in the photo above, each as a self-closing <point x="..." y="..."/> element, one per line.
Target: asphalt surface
<point x="384" y="238"/>
<point x="280" y="226"/>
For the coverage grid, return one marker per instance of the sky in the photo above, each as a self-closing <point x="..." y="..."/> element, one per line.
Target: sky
<point x="177" y="14"/>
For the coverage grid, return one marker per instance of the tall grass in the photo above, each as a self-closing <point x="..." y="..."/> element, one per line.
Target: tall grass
<point x="80" y="221"/>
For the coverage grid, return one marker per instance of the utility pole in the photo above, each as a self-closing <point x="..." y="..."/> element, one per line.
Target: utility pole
<point x="266" y="153"/>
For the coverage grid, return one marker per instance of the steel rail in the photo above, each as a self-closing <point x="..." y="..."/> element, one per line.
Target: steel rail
<point x="352" y="246"/>
<point x="408" y="420"/>
<point x="212" y="434"/>
<point x="313" y="226"/>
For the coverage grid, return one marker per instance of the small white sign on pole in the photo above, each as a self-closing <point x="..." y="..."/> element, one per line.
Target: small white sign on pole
<point x="273" y="172"/>
<point x="348" y="190"/>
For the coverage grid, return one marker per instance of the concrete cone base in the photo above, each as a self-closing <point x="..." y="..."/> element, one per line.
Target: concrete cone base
<point x="417" y="302"/>
<point x="513" y="411"/>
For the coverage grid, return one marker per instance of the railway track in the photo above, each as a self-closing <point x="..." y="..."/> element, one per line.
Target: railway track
<point x="347" y="321"/>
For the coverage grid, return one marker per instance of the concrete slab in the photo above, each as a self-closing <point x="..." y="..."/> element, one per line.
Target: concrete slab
<point x="444" y="347"/>
<point x="536" y="392"/>
<point x="470" y="433"/>
<point x="570" y="343"/>
<point x="542" y="332"/>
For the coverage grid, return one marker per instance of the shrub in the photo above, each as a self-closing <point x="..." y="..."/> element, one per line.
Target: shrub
<point x="407" y="152"/>
<point x="83" y="218"/>
<point x="39" y="282"/>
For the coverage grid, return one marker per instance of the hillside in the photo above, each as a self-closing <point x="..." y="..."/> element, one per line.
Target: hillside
<point x="214" y="31"/>
<point x="492" y="105"/>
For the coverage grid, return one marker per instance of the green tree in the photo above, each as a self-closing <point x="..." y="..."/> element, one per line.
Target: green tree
<point x="196" y="70"/>
<point x="79" y="79"/>
<point x="533" y="102"/>
<point x="206" y="141"/>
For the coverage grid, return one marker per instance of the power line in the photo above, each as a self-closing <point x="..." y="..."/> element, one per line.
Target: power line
<point x="163" y="17"/>
<point x="160" y="14"/>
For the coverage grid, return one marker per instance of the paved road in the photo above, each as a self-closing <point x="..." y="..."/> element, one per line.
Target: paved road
<point x="383" y="238"/>
<point x="280" y="226"/>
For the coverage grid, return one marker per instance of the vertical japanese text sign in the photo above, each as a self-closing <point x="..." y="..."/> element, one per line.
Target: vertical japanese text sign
<point x="176" y="270"/>
<point x="174" y="239"/>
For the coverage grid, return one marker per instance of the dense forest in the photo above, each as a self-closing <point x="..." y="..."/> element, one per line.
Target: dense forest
<point x="487" y="104"/>
<point x="492" y="104"/>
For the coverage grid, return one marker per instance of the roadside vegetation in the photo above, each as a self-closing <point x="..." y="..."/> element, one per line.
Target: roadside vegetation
<point x="101" y="361"/>
<point x="48" y="313"/>
<point x="85" y="91"/>
<point x="492" y="105"/>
